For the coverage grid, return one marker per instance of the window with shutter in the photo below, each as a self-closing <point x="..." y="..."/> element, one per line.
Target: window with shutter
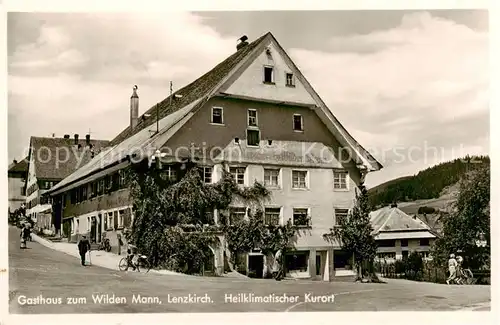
<point x="115" y="220"/>
<point x="116" y="181"/>
<point x="121" y="218"/>
<point x="110" y="221"/>
<point x="272" y="216"/>
<point x="105" y="221"/>
<point x="84" y="192"/>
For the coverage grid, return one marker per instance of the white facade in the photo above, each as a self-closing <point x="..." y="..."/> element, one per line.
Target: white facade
<point x="250" y="82"/>
<point x="319" y="199"/>
<point x="32" y="180"/>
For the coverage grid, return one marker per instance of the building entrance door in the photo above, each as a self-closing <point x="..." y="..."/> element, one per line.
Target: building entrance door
<point x="93" y="230"/>
<point x="99" y="228"/>
<point x="256" y="266"/>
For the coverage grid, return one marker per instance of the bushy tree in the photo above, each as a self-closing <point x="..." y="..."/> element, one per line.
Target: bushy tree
<point x="354" y="234"/>
<point x="169" y="217"/>
<point x="470" y="217"/>
<point x="246" y="234"/>
<point x="243" y="235"/>
<point x="17" y="215"/>
<point x="279" y="237"/>
<point x="414" y="266"/>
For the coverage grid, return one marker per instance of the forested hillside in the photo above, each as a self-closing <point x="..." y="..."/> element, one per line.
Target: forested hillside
<point x="427" y="184"/>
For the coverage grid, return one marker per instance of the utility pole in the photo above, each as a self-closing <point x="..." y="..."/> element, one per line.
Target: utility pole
<point x="171" y="91"/>
<point x="157" y="119"/>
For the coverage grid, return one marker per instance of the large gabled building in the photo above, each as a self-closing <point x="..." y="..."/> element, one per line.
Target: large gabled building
<point x="398" y="234"/>
<point x="254" y="115"/>
<point x="50" y="160"/>
<point x="17" y="174"/>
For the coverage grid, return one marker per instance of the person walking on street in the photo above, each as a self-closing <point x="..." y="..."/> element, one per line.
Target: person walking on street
<point x="25" y="235"/>
<point x="277" y="266"/>
<point x="452" y="268"/>
<point x="83" y="248"/>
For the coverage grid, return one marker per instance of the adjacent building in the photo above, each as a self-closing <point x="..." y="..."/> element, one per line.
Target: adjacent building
<point x="50" y="160"/>
<point x="17" y="174"/>
<point x="397" y="234"/>
<point x="254" y="115"/>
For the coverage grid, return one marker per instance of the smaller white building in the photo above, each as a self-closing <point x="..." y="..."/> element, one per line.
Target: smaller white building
<point x="397" y="234"/>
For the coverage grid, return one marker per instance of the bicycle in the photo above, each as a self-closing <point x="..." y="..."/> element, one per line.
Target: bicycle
<point x="142" y="262"/>
<point x="104" y="245"/>
<point x="467" y="276"/>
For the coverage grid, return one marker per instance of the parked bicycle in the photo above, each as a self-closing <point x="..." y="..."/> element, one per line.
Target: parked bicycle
<point x="135" y="261"/>
<point x="104" y="245"/>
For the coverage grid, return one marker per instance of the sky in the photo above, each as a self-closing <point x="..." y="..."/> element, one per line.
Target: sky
<point x="410" y="86"/>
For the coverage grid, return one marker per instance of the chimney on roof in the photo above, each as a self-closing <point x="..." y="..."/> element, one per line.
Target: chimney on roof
<point x="134" y="108"/>
<point x="15" y="161"/>
<point x="243" y="41"/>
<point x="66" y="136"/>
<point x="87" y="140"/>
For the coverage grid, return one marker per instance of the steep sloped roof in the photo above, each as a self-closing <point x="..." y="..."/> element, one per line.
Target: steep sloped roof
<point x="140" y="143"/>
<point x="172" y="112"/>
<point x="195" y="90"/>
<point x="393" y="219"/>
<point x="19" y="167"/>
<point x="57" y="158"/>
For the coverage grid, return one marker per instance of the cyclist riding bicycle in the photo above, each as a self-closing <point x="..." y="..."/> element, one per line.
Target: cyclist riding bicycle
<point x="460" y="275"/>
<point x="132" y="256"/>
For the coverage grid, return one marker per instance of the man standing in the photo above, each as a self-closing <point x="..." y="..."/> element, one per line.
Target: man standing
<point x="120" y="243"/>
<point x="83" y="247"/>
<point x="452" y="267"/>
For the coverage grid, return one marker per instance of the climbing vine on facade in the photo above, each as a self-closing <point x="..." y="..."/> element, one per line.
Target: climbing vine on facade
<point x="171" y="217"/>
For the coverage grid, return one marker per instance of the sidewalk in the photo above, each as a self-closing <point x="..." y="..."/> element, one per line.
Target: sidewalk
<point x="110" y="260"/>
<point x="99" y="258"/>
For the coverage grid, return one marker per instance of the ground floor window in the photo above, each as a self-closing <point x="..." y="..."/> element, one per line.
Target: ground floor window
<point x="425" y="255"/>
<point x="386" y="255"/>
<point x="424" y="242"/>
<point x="297" y="261"/>
<point x="121" y="218"/>
<point x="110" y="221"/>
<point x="342" y="260"/>
<point x="236" y="214"/>
<point x="386" y="243"/>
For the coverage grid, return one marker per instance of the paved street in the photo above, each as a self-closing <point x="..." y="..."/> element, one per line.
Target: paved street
<point x="40" y="271"/>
